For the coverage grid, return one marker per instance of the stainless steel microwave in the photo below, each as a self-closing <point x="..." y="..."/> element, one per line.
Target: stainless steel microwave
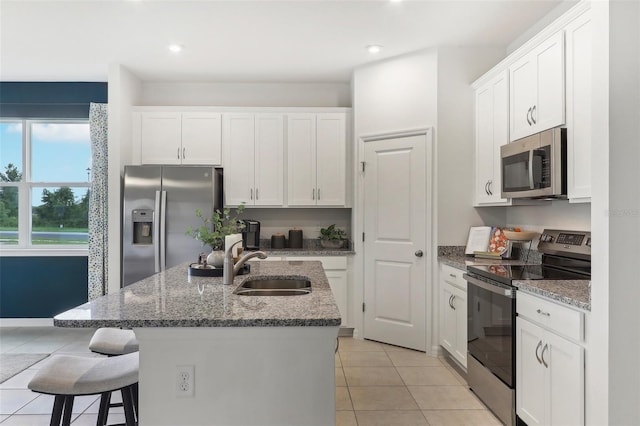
<point x="535" y="166"/>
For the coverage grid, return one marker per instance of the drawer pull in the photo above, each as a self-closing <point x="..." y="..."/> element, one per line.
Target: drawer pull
<point x="541" y="312"/>
<point x="453" y="275"/>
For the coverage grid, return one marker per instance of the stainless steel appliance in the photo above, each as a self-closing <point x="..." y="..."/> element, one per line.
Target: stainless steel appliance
<point x="159" y="204"/>
<point x="491" y="307"/>
<point x="535" y="166"/>
<point x="251" y="234"/>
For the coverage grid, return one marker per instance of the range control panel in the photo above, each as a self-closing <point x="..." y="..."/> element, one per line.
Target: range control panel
<point x="566" y="243"/>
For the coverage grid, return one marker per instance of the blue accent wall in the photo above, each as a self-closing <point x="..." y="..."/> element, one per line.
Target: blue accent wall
<point x="50" y="99"/>
<point x="41" y="287"/>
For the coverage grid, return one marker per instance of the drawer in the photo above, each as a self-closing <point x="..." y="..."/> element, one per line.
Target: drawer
<point x="550" y="315"/>
<point x="328" y="262"/>
<point x="452" y="275"/>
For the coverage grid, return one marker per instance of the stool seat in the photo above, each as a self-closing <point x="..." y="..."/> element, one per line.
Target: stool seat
<point x="77" y="375"/>
<point x="113" y="341"/>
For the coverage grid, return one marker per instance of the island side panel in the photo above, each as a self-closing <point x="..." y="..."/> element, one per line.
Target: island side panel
<point x="243" y="376"/>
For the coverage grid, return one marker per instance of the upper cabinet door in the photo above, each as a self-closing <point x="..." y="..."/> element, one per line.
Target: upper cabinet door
<point x="202" y="138"/>
<point x="301" y="155"/>
<point x="579" y="109"/>
<point x="331" y="158"/>
<point x="269" y="160"/>
<point x="537" y="93"/>
<point x="160" y="138"/>
<point x="492" y="131"/>
<point x="239" y="160"/>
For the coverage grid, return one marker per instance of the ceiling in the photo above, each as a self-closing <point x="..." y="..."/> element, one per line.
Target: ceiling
<point x="241" y="41"/>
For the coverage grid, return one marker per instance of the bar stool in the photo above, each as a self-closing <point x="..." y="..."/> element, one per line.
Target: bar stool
<point x="68" y="376"/>
<point x="115" y="342"/>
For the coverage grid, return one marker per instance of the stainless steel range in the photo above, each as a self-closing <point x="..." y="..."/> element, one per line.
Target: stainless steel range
<point x="491" y="314"/>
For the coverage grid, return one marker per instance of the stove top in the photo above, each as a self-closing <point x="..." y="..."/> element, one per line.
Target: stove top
<point x="507" y="273"/>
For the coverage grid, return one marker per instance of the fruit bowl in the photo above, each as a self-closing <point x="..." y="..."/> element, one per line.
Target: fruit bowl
<point x="520" y="235"/>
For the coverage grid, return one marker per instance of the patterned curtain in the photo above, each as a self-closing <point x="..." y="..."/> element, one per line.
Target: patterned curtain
<point x="98" y="226"/>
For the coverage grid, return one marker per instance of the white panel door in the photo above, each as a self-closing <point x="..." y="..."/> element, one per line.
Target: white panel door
<point x="269" y="160"/>
<point x="161" y="138"/>
<point x="394" y="224"/>
<point x="331" y="151"/>
<point x="301" y="154"/>
<point x="238" y="158"/>
<point x="202" y="138"/>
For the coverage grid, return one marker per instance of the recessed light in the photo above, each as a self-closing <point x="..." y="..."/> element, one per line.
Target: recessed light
<point x="374" y="48"/>
<point x="175" y="48"/>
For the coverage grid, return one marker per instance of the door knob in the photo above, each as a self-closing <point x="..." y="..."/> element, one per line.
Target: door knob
<point x="419" y="253"/>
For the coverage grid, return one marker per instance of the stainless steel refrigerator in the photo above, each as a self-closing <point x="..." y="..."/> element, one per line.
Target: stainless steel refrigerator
<point x="159" y="205"/>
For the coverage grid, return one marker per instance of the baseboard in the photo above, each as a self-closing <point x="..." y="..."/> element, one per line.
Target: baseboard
<point x="26" y="322"/>
<point x="345" y="332"/>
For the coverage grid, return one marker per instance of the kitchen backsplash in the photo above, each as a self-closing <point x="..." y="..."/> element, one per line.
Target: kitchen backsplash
<point x="280" y="221"/>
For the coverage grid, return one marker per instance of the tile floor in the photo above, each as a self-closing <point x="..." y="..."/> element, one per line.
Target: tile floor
<point x="376" y="384"/>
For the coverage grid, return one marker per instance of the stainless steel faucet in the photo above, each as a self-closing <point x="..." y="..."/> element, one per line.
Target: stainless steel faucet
<point x="230" y="271"/>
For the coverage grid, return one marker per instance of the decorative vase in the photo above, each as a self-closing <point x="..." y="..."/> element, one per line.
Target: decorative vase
<point x="216" y="258"/>
<point x="331" y="244"/>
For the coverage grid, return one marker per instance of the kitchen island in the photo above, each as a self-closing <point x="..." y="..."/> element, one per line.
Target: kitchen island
<point x="257" y="360"/>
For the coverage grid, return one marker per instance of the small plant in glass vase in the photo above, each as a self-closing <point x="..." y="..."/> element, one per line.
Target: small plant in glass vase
<point x="332" y="237"/>
<point x="213" y="231"/>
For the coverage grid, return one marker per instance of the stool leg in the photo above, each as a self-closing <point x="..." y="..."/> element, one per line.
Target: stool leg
<point x="127" y="402"/>
<point x="56" y="414"/>
<point x="134" y="395"/>
<point x="105" y="399"/>
<point x="68" y="408"/>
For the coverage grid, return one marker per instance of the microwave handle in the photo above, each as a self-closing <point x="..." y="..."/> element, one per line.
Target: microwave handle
<point x="531" y="169"/>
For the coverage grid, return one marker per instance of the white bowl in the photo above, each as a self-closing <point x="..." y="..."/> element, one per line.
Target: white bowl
<point x="520" y="236"/>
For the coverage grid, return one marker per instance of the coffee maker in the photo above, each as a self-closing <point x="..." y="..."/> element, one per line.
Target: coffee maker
<point x="251" y="234"/>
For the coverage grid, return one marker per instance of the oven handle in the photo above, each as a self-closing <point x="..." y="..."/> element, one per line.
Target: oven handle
<point x="508" y="292"/>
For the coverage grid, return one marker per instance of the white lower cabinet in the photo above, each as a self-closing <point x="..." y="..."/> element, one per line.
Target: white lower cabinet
<point x="335" y="267"/>
<point x="549" y="367"/>
<point x="453" y="313"/>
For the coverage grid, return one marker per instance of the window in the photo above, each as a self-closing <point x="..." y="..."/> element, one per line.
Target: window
<point x="45" y="169"/>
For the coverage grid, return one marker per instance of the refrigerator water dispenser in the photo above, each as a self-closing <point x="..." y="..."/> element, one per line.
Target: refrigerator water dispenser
<point x="142" y="226"/>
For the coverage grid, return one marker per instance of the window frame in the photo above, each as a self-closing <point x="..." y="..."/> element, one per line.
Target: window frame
<point x="25" y="247"/>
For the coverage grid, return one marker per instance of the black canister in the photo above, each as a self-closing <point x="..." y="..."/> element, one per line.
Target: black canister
<point x="295" y="238"/>
<point x="278" y="241"/>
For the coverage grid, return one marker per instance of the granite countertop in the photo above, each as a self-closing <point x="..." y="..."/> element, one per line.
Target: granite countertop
<point x="174" y="299"/>
<point x="461" y="261"/>
<point x="575" y="293"/>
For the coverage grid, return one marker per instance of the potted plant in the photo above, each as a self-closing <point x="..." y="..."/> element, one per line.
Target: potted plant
<point x="214" y="229"/>
<point x="332" y="237"/>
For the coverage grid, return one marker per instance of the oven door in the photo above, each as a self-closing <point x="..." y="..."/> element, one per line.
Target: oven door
<point x="491" y="327"/>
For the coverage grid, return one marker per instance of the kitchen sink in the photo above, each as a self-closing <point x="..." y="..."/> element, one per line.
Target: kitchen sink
<point x="274" y="287"/>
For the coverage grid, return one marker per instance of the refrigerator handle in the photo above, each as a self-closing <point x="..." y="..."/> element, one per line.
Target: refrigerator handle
<point x="163" y="231"/>
<point x="156" y="233"/>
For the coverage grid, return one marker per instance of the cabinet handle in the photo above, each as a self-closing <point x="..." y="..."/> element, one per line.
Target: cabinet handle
<point x="453" y="299"/>
<point x="318" y="193"/>
<point x="251" y="194"/>
<point x="178" y="153"/>
<point x="256" y="193"/>
<point x="490" y="183"/>
<point x="486" y="188"/>
<point x="529" y="113"/>
<point x="313" y="194"/>
<point x="546" y="346"/>
<point x="450" y="305"/>
<point x="184" y="153"/>
<point x="533" y="109"/>
<point x="537" y="349"/>
<point x="541" y="312"/>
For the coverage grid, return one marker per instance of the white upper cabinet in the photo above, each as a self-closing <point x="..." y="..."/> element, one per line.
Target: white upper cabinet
<point x="253" y="158"/>
<point x="578" y="39"/>
<point x="492" y="131"/>
<point x="180" y="138"/>
<point x="316" y="152"/>
<point x="537" y="90"/>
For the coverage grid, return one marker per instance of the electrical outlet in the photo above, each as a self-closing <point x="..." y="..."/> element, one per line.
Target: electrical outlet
<point x="185" y="380"/>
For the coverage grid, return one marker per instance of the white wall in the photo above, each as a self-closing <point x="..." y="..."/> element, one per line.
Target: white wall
<point x="124" y="92"/>
<point x="457" y="69"/>
<point x="309" y="220"/>
<point x="247" y="94"/>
